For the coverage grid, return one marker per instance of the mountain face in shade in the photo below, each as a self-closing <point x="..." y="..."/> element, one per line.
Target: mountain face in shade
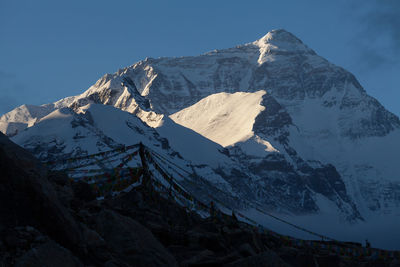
<point x="269" y="122"/>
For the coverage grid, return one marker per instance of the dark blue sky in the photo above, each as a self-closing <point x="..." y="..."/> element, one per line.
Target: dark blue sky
<point x="53" y="49"/>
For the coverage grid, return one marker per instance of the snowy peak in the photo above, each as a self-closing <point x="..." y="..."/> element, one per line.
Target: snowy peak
<point x="23" y="116"/>
<point x="279" y="35"/>
<point x="293" y="75"/>
<point x="296" y="132"/>
<point x="280" y="42"/>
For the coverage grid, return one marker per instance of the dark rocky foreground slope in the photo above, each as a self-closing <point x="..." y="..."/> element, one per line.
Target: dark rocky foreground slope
<point x="46" y="220"/>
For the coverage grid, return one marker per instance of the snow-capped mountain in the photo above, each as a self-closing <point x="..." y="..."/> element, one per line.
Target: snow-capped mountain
<point x="270" y="122"/>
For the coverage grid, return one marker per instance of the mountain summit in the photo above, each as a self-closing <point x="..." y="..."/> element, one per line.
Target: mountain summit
<point x="269" y="122"/>
<point x="282" y="41"/>
<point x="280" y="35"/>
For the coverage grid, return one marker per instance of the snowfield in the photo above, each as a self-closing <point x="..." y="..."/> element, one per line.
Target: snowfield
<point x="223" y="118"/>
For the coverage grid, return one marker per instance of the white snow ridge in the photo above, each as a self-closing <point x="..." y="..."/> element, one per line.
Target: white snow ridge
<point x="269" y="123"/>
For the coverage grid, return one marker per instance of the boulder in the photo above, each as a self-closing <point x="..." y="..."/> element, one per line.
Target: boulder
<point x="49" y="254"/>
<point x="132" y="241"/>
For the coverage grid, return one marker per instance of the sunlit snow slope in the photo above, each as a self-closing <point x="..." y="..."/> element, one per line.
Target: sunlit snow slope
<point x="224" y="118"/>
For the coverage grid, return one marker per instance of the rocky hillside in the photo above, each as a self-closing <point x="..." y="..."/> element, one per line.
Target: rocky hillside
<point x="47" y="220"/>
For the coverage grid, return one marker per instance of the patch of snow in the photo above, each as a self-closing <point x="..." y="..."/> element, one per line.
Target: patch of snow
<point x="191" y="145"/>
<point x="223" y="118"/>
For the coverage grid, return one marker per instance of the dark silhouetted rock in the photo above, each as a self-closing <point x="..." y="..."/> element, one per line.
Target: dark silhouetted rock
<point x="131" y="240"/>
<point x="265" y="259"/>
<point x="49" y="254"/>
<point x="28" y="198"/>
